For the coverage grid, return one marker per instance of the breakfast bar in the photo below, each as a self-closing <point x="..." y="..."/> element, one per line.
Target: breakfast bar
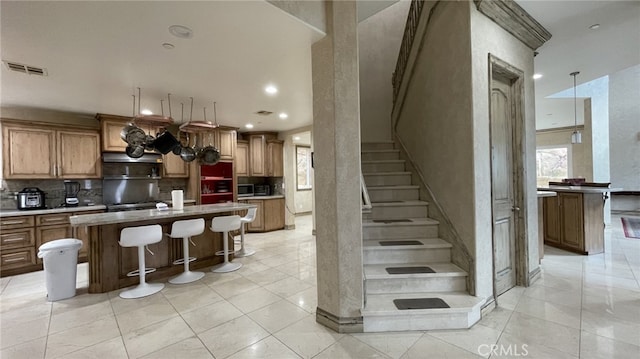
<point x="109" y="263"/>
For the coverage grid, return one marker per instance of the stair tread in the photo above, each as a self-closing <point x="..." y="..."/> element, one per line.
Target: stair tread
<point x="387" y="187"/>
<point x="422" y="221"/>
<point x="376" y="142"/>
<point x="400" y="203"/>
<point x="378" y="271"/>
<point x="381" y="161"/>
<point x="427" y="243"/>
<point x="381" y="151"/>
<point x="382" y="304"/>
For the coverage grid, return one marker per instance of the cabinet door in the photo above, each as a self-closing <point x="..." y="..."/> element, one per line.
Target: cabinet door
<point x="79" y="154"/>
<point x="226" y="143"/>
<point x="258" y="223"/>
<point x="83" y="234"/>
<point x="242" y="159"/>
<point x="111" y="140"/>
<point x="28" y="152"/>
<point x="174" y="167"/>
<point x="273" y="214"/>
<point x="572" y="220"/>
<point x="16" y="238"/>
<point x="50" y="233"/>
<point x="552" y="220"/>
<point x="17" y="258"/>
<point x="257" y="156"/>
<point x="275" y="162"/>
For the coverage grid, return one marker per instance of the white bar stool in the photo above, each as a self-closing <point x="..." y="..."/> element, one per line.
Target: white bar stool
<point x="141" y="237"/>
<point x="185" y="230"/>
<point x="225" y="224"/>
<point x="250" y="217"/>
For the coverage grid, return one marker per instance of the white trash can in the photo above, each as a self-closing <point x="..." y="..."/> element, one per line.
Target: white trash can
<point x="60" y="258"/>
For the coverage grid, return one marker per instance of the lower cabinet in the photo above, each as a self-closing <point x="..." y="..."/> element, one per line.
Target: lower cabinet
<point x="575" y="221"/>
<point x="269" y="215"/>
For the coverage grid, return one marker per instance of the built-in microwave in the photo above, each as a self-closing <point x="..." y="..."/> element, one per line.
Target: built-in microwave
<point x="245" y="190"/>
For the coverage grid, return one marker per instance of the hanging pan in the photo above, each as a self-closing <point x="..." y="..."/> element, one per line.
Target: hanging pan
<point x="209" y="155"/>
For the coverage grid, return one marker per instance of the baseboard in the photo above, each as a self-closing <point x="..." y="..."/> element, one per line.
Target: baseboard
<point x="302" y="213"/>
<point x="290" y="226"/>
<point x="534" y="275"/>
<point x="488" y="307"/>
<point x="339" y="324"/>
<point x="313" y="232"/>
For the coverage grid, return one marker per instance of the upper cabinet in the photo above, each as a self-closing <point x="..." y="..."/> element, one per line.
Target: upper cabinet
<point x="242" y="158"/>
<point x="34" y="151"/>
<point x="265" y="154"/>
<point x="174" y="167"/>
<point x="111" y="126"/>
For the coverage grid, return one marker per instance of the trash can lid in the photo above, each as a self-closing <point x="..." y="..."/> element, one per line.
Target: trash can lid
<point x="58" y="244"/>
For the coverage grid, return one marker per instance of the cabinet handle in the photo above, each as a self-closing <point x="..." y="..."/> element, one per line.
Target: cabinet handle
<point x="14" y="239"/>
<point x="516" y="209"/>
<point x="13" y="260"/>
<point x="12" y="222"/>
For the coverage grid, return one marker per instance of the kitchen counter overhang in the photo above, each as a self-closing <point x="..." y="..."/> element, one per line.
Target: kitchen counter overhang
<point x="109" y="262"/>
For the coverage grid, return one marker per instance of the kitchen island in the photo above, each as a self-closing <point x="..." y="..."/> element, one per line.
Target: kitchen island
<point x="574" y="219"/>
<point x="109" y="263"/>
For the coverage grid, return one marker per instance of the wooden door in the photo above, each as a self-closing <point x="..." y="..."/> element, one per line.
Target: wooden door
<point x="258" y="223"/>
<point x="571" y="217"/>
<point x="502" y="185"/>
<point x="28" y="152"/>
<point x="111" y="140"/>
<point x="276" y="166"/>
<point x="225" y="141"/>
<point x="79" y="154"/>
<point x="551" y="220"/>
<point x="257" y="156"/>
<point x="242" y="159"/>
<point x="174" y="167"/>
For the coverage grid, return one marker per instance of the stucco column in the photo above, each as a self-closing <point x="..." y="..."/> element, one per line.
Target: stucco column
<point x="336" y="137"/>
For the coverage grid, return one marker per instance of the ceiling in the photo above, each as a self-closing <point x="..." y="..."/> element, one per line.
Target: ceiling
<point x="97" y="53"/>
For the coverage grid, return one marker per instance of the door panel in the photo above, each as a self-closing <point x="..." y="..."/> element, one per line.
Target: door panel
<point x="502" y="180"/>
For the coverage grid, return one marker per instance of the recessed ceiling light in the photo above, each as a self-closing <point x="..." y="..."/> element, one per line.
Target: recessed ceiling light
<point x="297" y="138"/>
<point x="180" y="31"/>
<point x="168" y="46"/>
<point x="248" y="125"/>
<point x="283" y="115"/>
<point x="594" y="27"/>
<point x="537" y="76"/>
<point x="271" y="90"/>
<point x="146" y="112"/>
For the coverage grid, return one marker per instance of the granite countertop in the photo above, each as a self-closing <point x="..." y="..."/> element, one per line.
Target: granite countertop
<point x="13" y="213"/>
<point x="581" y="189"/>
<point x="260" y="197"/>
<point x="98" y="219"/>
<point x="546" y="194"/>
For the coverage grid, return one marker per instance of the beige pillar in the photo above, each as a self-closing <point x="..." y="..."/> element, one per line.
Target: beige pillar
<point x="336" y="138"/>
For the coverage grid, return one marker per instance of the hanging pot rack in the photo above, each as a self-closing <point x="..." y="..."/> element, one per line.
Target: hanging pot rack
<point x="153" y="120"/>
<point x="198" y="126"/>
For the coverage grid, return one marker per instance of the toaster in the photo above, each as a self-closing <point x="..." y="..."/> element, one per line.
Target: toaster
<point x="30" y="198"/>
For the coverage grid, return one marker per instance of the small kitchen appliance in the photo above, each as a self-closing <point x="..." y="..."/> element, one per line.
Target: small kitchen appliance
<point x="71" y="189"/>
<point x="30" y="198"/>
<point x="262" y="190"/>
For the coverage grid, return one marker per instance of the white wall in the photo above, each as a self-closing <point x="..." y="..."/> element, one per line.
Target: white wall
<point x="379" y="39"/>
<point x="624" y="132"/>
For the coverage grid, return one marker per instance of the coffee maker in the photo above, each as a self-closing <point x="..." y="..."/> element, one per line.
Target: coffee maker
<point x="71" y="189"/>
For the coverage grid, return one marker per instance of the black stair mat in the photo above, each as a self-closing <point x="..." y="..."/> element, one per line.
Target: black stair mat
<point x="420" y="303"/>
<point x="409" y="270"/>
<point x="401" y="243"/>
<point x="386" y="221"/>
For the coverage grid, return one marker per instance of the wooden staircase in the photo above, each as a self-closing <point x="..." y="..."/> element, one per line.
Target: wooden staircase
<point x="403" y="257"/>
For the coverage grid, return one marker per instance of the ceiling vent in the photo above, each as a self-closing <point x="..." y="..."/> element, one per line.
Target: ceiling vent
<point x="25" y="69"/>
<point x="264" y="113"/>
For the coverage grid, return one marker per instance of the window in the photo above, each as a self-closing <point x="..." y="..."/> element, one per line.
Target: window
<point x="552" y="164"/>
<point x="303" y="161"/>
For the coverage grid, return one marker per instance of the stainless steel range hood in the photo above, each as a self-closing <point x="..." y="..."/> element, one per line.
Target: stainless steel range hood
<point x="109" y="157"/>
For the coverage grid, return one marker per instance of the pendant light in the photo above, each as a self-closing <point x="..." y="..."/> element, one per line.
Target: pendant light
<point x="576" y="136"/>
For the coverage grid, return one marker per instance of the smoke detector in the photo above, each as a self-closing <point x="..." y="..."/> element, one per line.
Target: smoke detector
<point x="25" y="69"/>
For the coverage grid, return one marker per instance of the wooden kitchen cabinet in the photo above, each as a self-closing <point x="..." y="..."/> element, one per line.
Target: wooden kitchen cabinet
<point x="242" y="159"/>
<point x="84" y="234"/>
<point x="226" y="139"/>
<point x="43" y="152"/>
<point x="269" y="215"/>
<point x="50" y="227"/>
<point x="110" y="128"/>
<point x="17" y="245"/>
<point x="174" y="167"/>
<point x="265" y="155"/>
<point x="575" y="221"/>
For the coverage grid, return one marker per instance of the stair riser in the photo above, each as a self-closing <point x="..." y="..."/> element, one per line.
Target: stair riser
<point x="376" y="146"/>
<point x="400" y="231"/>
<point x="382" y="167"/>
<point x="433" y="321"/>
<point x="411" y="285"/>
<point x="429" y="255"/>
<point x="379" y="156"/>
<point x="389" y="180"/>
<point x="408" y="194"/>
<point x="400" y="212"/>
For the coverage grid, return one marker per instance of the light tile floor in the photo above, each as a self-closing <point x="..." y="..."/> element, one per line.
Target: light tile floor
<point x="583" y="306"/>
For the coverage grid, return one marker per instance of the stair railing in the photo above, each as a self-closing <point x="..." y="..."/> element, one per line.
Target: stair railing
<point x="366" y="201"/>
<point x="405" y="47"/>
